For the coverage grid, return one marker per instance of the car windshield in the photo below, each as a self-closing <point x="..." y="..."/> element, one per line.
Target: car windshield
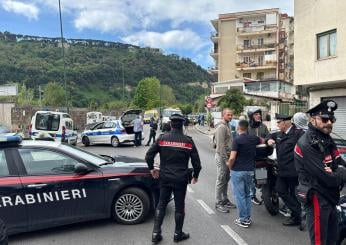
<point x="47" y="121"/>
<point x="88" y="156"/>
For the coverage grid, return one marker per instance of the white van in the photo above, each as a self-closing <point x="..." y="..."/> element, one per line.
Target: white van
<point x="58" y="125"/>
<point x="165" y="119"/>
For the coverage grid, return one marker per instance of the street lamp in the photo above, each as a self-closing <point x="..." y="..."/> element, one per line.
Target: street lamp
<point x="63" y="57"/>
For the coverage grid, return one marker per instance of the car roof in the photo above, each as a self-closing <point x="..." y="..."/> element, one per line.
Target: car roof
<point x="29" y="142"/>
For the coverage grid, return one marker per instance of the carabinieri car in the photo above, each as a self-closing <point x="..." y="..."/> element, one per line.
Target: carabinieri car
<point x="45" y="184"/>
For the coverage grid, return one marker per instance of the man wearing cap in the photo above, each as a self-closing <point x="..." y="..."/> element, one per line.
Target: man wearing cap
<point x="317" y="160"/>
<point x="175" y="150"/>
<point x="287" y="179"/>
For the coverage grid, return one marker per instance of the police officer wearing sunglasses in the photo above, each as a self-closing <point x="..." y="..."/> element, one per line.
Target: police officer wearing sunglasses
<point x="320" y="177"/>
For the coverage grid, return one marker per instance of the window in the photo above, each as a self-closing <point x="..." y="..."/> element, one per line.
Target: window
<point x="108" y="125"/>
<point x="253" y="87"/>
<point x="42" y="161"/>
<point x="260" y="60"/>
<point x="69" y="125"/>
<point x="326" y="44"/>
<point x="3" y="164"/>
<point x="260" y="75"/>
<point x="247" y="60"/>
<point x="247" y="75"/>
<point x="47" y="121"/>
<point x="247" y="43"/>
<point x="260" y="42"/>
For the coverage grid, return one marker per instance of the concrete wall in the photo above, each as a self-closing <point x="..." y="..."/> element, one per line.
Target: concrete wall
<point x="315" y="96"/>
<point x="5" y="113"/>
<point x="311" y="18"/>
<point x="227" y="49"/>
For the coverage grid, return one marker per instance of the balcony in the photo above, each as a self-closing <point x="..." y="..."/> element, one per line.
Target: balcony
<point x="256" y="48"/>
<point x="214" y="36"/>
<point x="213" y="70"/>
<point x="256" y="30"/>
<point x="214" y="53"/>
<point x="255" y="66"/>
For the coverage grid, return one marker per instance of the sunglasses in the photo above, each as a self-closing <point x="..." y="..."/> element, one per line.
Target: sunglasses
<point x="325" y="120"/>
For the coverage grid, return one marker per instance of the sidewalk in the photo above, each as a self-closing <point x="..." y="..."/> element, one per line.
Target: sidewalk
<point x="204" y="129"/>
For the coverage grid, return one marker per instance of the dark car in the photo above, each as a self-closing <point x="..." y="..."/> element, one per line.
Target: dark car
<point x="45" y="184"/>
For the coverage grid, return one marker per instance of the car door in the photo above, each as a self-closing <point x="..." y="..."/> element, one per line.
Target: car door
<point x="13" y="210"/>
<point x="94" y="134"/>
<point x="106" y="132"/>
<point x="55" y="194"/>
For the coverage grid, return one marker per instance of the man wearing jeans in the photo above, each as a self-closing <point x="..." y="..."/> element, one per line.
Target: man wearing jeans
<point x="242" y="165"/>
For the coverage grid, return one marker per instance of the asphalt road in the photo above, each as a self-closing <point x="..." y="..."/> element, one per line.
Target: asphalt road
<point x="203" y="222"/>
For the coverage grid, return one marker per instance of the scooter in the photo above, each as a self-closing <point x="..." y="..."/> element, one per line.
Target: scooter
<point x="265" y="176"/>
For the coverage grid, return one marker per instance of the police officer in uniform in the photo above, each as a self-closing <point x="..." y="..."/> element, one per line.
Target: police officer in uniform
<point x="320" y="175"/>
<point x="287" y="179"/>
<point x="175" y="149"/>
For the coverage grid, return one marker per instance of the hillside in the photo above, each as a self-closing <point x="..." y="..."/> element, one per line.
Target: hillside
<point x="96" y="70"/>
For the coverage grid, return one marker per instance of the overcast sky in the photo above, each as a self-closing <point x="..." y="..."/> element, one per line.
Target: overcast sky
<point x="181" y="27"/>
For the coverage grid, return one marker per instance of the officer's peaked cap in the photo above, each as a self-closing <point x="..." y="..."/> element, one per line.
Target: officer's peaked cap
<point x="324" y="109"/>
<point x="176" y="117"/>
<point x="282" y="117"/>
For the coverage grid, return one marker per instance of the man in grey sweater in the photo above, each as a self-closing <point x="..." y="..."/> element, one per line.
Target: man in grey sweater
<point x="223" y="139"/>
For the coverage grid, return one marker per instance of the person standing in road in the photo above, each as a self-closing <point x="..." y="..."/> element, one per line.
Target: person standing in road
<point x="153" y="128"/>
<point x="175" y="150"/>
<point x="137" y="129"/>
<point x="259" y="129"/>
<point x="287" y="179"/>
<point x="317" y="162"/>
<point x="242" y="165"/>
<point x="223" y="139"/>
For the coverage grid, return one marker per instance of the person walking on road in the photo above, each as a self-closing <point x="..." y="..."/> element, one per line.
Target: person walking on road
<point x="242" y="166"/>
<point x="317" y="162"/>
<point x="176" y="149"/>
<point x="137" y="129"/>
<point x="287" y="179"/>
<point x="223" y="139"/>
<point x="153" y="128"/>
<point x="259" y="129"/>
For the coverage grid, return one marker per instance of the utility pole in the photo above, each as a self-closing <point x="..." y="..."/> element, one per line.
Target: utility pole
<point x="63" y="57"/>
<point x="40" y="94"/>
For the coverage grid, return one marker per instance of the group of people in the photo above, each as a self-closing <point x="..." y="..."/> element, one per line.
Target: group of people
<point x="138" y="129"/>
<point x="311" y="171"/>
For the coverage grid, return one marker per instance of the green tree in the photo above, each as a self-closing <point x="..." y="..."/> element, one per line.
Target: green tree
<point x="167" y="96"/>
<point x="185" y="108"/>
<point x="233" y="99"/>
<point x="54" y="94"/>
<point x="25" y="96"/>
<point x="147" y="93"/>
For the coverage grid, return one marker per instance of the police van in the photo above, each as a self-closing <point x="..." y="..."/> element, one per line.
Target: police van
<point x="46" y="183"/>
<point x="58" y="125"/>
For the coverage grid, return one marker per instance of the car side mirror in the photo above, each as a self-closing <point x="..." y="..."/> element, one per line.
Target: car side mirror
<point x="81" y="169"/>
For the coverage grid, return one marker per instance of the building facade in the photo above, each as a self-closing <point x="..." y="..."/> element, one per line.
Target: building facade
<point x="252" y="44"/>
<point x="320" y="53"/>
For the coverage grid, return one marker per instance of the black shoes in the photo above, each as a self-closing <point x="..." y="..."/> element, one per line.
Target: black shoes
<point x="292" y="222"/>
<point x="178" y="237"/>
<point x="156" y="238"/>
<point x="228" y="204"/>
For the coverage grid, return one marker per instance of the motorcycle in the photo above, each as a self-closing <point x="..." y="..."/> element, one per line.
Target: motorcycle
<point x="265" y="176"/>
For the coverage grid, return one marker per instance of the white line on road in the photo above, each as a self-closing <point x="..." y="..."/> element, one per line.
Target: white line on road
<point x="206" y="207"/>
<point x="189" y="189"/>
<point x="234" y="235"/>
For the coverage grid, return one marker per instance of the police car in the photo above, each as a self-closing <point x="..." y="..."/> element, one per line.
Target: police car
<point x="48" y="183"/>
<point x="113" y="132"/>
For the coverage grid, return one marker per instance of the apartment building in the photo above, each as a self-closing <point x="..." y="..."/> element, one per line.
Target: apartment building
<point x="252" y="44"/>
<point x="320" y="53"/>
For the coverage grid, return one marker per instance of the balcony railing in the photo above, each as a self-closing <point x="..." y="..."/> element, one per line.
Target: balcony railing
<point x="258" y="28"/>
<point x="256" y="46"/>
<point x="245" y="66"/>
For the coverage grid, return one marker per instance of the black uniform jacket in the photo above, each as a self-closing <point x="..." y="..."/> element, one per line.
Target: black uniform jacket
<point x="175" y="150"/>
<point x="313" y="152"/>
<point x="284" y="150"/>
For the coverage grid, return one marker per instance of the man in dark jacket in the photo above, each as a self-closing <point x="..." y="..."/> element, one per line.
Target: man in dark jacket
<point x="259" y="129"/>
<point x="175" y="149"/>
<point x="153" y="128"/>
<point x="317" y="161"/>
<point x="287" y="179"/>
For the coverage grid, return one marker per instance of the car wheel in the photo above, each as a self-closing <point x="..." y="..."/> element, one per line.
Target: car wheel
<point x="115" y="141"/>
<point x="3" y="233"/>
<point x="85" y="141"/>
<point x="131" y="206"/>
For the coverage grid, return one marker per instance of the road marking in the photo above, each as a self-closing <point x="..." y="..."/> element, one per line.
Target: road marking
<point x="189" y="189"/>
<point x="206" y="207"/>
<point x="234" y="235"/>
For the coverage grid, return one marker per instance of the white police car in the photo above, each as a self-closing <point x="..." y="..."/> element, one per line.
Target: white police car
<point x="112" y="132"/>
<point x="48" y="183"/>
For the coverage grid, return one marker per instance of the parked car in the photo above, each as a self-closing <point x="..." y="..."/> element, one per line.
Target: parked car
<point x="48" y="183"/>
<point x="4" y="129"/>
<point x="113" y="132"/>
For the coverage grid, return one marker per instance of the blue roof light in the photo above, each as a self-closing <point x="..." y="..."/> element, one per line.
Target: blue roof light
<point x="10" y="138"/>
